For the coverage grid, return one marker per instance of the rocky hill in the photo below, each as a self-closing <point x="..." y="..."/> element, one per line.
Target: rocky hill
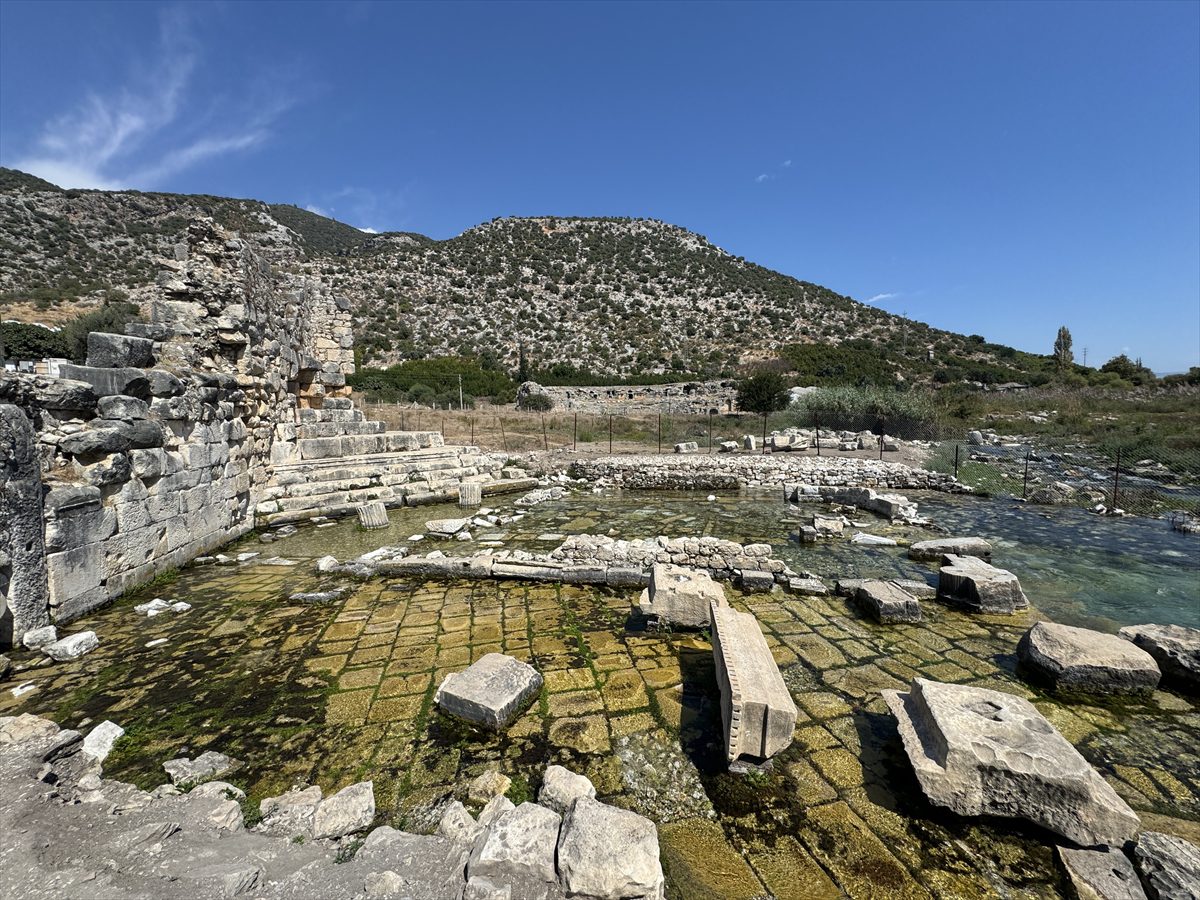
<point x="610" y="296"/>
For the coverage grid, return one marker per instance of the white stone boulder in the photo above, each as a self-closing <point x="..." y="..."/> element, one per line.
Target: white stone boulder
<point x="36" y="638"/>
<point x="459" y="825"/>
<point x="1080" y="660"/>
<point x="680" y="596"/>
<point x="99" y="741"/>
<point x="561" y="788"/>
<point x="982" y="752"/>
<point x="1170" y="866"/>
<point x="608" y="853"/>
<point x="1100" y="874"/>
<point x="519" y="844"/>
<point x="290" y="814"/>
<point x="349" y="810"/>
<point x="491" y="692"/>
<point x="756" y="706"/>
<point x="72" y="646"/>
<point x="1175" y="648"/>
<point x="888" y="602"/>
<point x="687" y="447"/>
<point x="205" y="767"/>
<point x="956" y="546"/>
<point x="446" y="527"/>
<point x="979" y="585"/>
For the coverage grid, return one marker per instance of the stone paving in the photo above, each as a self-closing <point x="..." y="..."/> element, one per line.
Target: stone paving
<point x="337" y="692"/>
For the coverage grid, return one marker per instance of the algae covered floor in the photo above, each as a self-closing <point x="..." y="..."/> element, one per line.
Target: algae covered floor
<point x="337" y="692"/>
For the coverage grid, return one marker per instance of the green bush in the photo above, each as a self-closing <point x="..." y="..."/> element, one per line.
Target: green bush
<point x="537" y="403"/>
<point x="902" y="413"/>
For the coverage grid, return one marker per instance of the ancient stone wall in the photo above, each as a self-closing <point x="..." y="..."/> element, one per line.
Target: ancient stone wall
<point x="685" y="398"/>
<point x="162" y="447"/>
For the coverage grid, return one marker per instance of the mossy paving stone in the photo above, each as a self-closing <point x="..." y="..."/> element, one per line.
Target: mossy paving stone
<point x="573" y="679"/>
<point x="816" y="651"/>
<point x="700" y="864"/>
<point x="575" y="703"/>
<point x="790" y="872"/>
<point x="588" y="734"/>
<point x="860" y="862"/>
<point x="862" y="681"/>
<point x="624" y="691"/>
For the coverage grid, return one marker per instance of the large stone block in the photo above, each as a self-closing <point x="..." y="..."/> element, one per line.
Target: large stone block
<point x="756" y="707"/>
<point x="74" y="572"/>
<point x="107" y="382"/>
<point x="888" y="602"/>
<point x="116" y="351"/>
<point x="1175" y="648"/>
<point x="979" y="585"/>
<point x="1078" y="659"/>
<point x="491" y="692"/>
<point x="519" y="844"/>
<point x="982" y="752"/>
<point x="681" y="596"/>
<point x="1170" y="866"/>
<point x="373" y="515"/>
<point x="1100" y="874"/>
<point x="956" y="546"/>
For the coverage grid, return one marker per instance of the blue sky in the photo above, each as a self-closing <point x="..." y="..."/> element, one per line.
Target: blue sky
<point x="992" y="168"/>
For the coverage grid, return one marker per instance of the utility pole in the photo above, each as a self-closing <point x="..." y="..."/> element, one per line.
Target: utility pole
<point x="460" y="396"/>
<point x="1085" y="357"/>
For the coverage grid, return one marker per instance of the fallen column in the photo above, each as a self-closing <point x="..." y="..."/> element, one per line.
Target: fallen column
<point x="373" y="515"/>
<point x="756" y="707"/>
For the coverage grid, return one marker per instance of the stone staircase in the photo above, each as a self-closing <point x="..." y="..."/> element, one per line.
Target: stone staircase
<point x="337" y="459"/>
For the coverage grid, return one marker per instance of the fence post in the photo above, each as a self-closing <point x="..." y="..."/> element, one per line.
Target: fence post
<point x="575" y="433"/>
<point x="472" y="431"/>
<point x="610" y="434"/>
<point x="1025" y="482"/>
<point x="956" y="446"/>
<point x="710" y="431"/>
<point x="545" y="440"/>
<point x="817" y="433"/>
<point x="1116" y="478"/>
<point x="660" y="432"/>
<point x="503" y="436"/>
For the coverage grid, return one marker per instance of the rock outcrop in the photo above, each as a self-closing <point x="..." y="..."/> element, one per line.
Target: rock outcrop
<point x="982" y="752"/>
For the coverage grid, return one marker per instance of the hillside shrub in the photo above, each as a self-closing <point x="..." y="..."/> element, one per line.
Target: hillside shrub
<point x="901" y="413"/>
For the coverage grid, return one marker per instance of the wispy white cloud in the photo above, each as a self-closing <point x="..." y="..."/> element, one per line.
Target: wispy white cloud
<point x="759" y="179"/>
<point x="787" y="164"/>
<point x="369" y="230"/>
<point x="879" y="298"/>
<point x="151" y="128"/>
<point x="320" y="211"/>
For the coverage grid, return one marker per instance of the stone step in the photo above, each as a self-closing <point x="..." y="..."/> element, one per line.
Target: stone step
<point x="365" y="444"/>
<point x="330" y="414"/>
<point x="338" y="429"/>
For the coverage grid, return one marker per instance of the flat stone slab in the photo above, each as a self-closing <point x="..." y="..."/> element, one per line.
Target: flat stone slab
<point x="756" y="706"/>
<point x="205" y="767"/>
<point x="980" y="585"/>
<point x="1170" y="866"/>
<point x="1100" y="874"/>
<point x="888" y="602"/>
<point x="1175" y="648"/>
<point x="954" y="546"/>
<point x="981" y="752"/>
<point x="681" y="596"/>
<point x="491" y="692"/>
<point x="446" y="527"/>
<point x="72" y="646"/>
<point x="1079" y="659"/>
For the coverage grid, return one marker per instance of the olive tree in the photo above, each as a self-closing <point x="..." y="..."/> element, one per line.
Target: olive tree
<point x="763" y="393"/>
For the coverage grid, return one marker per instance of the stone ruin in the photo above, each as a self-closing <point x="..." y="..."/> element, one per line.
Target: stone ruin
<point x="228" y="409"/>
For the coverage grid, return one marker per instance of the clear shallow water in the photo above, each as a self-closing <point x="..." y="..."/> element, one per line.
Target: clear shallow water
<point x="1076" y="567"/>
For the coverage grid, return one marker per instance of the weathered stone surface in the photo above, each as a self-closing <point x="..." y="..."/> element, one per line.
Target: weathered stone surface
<point x="106" y="382"/>
<point x="608" y="853"/>
<point x="488" y="785"/>
<point x="115" y="351"/>
<point x="290" y="814"/>
<point x="373" y="515"/>
<point x="1175" y="648"/>
<point x="1100" y="874"/>
<point x="520" y="843"/>
<point x="561" y="788"/>
<point x="72" y="646"/>
<point x="459" y="825"/>
<point x="1078" y="659"/>
<point x="756" y="707"/>
<point x="24" y="589"/>
<point x="982" y="752"/>
<point x="120" y="407"/>
<point x="446" y="527"/>
<point x="491" y="692"/>
<point x="756" y="581"/>
<point x="205" y="767"/>
<point x="888" y="602"/>
<point x="349" y="810"/>
<point x="1170" y="866"/>
<point x="680" y="596"/>
<point x="470" y="494"/>
<point x="687" y="447"/>
<point x="99" y="741"/>
<point x="979" y="585"/>
<point x="37" y="638"/>
<point x="955" y="546"/>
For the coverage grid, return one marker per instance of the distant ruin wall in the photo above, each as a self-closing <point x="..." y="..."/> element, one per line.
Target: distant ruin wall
<point x="696" y="398"/>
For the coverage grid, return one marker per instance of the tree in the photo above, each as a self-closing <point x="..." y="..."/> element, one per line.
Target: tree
<point x="522" y="364"/>
<point x="1062" y="348"/>
<point x="1128" y="370"/>
<point x="763" y="392"/>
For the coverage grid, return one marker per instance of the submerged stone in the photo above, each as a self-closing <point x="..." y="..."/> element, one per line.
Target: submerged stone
<point x="1100" y="874"/>
<point x="981" y="586"/>
<point x="1170" y="866"/>
<point x="954" y="546"/>
<point x="888" y="602"/>
<point x="982" y="752"/>
<point x="1079" y="659"/>
<point x="491" y="692"/>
